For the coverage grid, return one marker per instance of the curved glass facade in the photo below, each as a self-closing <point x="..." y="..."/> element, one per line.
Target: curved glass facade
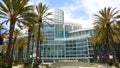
<point x="64" y="44"/>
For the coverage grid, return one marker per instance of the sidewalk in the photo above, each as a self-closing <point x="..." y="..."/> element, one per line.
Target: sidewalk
<point x="19" y="66"/>
<point x="99" y="66"/>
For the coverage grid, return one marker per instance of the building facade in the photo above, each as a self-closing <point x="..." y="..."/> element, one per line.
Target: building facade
<point x="58" y="15"/>
<point x="65" y="43"/>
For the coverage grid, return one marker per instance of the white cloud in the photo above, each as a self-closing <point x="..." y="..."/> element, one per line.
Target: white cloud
<point x="37" y="1"/>
<point x="94" y="5"/>
<point x="90" y="7"/>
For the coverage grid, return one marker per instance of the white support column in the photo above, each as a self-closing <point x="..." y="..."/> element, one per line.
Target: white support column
<point x="53" y="61"/>
<point x="42" y="61"/>
<point x="64" y="30"/>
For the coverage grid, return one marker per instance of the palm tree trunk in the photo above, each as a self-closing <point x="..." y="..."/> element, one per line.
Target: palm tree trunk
<point x="13" y="48"/>
<point x="113" y="47"/>
<point x="107" y="46"/>
<point x="10" y="42"/>
<point x="29" y="37"/>
<point x="99" y="54"/>
<point x="32" y="45"/>
<point x="20" y="54"/>
<point x="114" y="54"/>
<point x="38" y="42"/>
<point x="95" y="53"/>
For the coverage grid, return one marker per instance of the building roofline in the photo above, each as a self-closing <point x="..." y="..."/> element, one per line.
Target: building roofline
<point x="73" y="38"/>
<point x="80" y="30"/>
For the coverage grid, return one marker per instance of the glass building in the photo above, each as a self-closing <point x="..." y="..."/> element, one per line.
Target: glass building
<point x="65" y="43"/>
<point x="58" y="16"/>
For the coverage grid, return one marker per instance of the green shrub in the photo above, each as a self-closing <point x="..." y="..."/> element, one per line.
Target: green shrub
<point x="117" y="64"/>
<point x="3" y="65"/>
<point x="27" y="65"/>
<point x="110" y="64"/>
<point x="15" y="64"/>
<point x="35" y="65"/>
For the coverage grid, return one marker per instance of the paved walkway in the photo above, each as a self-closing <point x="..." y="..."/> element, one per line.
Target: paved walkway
<point x="99" y="66"/>
<point x="19" y="66"/>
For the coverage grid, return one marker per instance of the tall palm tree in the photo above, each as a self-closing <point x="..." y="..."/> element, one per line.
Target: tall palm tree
<point x="105" y="30"/>
<point x="31" y="28"/>
<point x="41" y="11"/>
<point x="14" y="11"/>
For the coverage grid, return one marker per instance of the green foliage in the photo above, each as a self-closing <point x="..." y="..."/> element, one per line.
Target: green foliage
<point x="41" y="12"/>
<point x="117" y="64"/>
<point x="15" y="63"/>
<point x="91" y="64"/>
<point x="14" y="12"/>
<point x="3" y="57"/>
<point x="35" y="65"/>
<point x="3" y="65"/>
<point x="27" y="65"/>
<point x="109" y="63"/>
<point x="104" y="30"/>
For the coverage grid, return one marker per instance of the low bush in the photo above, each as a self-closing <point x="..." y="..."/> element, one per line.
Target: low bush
<point x="117" y="64"/>
<point x="35" y="65"/>
<point x="3" y="65"/>
<point x="27" y="65"/>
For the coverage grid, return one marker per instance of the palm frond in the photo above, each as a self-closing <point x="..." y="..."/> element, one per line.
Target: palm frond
<point x="103" y="34"/>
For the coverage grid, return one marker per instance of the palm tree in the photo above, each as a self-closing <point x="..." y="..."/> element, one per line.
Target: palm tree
<point x="31" y="28"/>
<point x="16" y="34"/>
<point x="14" y="11"/>
<point x="106" y="32"/>
<point x="20" y="43"/>
<point x="41" y="11"/>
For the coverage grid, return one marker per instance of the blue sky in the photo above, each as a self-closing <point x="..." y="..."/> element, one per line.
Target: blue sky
<point x="80" y="11"/>
<point x="67" y="6"/>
